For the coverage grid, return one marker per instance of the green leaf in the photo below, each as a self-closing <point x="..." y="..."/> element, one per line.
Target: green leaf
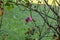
<point x="26" y="0"/>
<point x="7" y="4"/>
<point x="10" y="7"/>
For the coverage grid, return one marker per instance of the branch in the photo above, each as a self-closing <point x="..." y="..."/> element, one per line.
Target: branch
<point x="48" y="23"/>
<point x="57" y="2"/>
<point x="51" y="9"/>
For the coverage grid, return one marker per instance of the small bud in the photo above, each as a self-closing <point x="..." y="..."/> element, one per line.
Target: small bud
<point x="28" y="19"/>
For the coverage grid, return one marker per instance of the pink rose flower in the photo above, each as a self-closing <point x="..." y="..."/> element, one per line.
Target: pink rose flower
<point x="28" y="19"/>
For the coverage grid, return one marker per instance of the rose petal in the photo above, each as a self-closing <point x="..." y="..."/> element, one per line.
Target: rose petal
<point x="28" y="19"/>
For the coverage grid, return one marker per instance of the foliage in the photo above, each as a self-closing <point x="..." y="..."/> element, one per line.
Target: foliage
<point x="43" y="21"/>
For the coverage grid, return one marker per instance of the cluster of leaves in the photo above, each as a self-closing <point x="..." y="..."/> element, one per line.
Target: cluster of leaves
<point x="10" y="5"/>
